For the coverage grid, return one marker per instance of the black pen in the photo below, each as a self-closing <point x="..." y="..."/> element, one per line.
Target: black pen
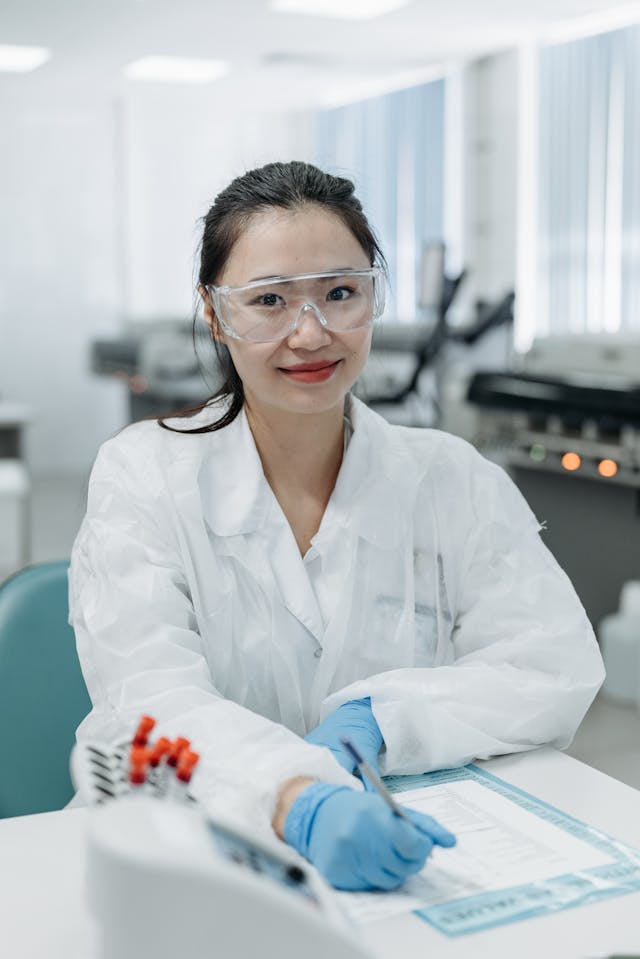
<point x="371" y="775"/>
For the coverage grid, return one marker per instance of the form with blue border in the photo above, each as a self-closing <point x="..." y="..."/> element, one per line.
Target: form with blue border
<point x="517" y="857"/>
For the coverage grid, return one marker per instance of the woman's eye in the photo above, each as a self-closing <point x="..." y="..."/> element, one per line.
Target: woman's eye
<point x="269" y="299"/>
<point x="340" y="293"/>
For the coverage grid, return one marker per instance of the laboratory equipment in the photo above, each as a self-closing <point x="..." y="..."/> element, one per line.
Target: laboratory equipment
<point x="574" y="407"/>
<point x="165" y="879"/>
<point x="619" y="636"/>
<point x="15" y="490"/>
<point x="566" y="423"/>
<point x="14" y="417"/>
<point x="157" y="364"/>
<point x="407" y="372"/>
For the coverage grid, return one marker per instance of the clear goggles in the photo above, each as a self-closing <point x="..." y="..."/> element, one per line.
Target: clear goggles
<point x="266" y="310"/>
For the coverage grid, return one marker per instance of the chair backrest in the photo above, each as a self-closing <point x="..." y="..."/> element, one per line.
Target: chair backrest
<point x="42" y="693"/>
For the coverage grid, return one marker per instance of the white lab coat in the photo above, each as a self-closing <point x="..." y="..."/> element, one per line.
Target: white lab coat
<point x="191" y="602"/>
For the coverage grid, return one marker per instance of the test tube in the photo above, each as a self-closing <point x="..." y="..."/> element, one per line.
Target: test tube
<point x="145" y="726"/>
<point x="177" y="746"/>
<point x="138" y="762"/>
<point x="159" y="749"/>
<point x="186" y="766"/>
<point x="157" y="752"/>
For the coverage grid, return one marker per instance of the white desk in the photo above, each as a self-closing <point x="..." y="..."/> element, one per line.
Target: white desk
<point x="42" y="912"/>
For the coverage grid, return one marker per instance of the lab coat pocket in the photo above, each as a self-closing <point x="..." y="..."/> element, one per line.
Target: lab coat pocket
<point x="432" y="614"/>
<point x="392" y="634"/>
<point x="405" y="640"/>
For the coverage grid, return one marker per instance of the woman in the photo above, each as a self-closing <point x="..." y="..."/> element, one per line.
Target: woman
<point x="283" y="567"/>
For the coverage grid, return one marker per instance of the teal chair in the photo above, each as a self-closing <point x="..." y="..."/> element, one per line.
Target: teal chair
<point x="42" y="693"/>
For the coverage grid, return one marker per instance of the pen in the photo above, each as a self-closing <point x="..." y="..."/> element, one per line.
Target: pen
<point x="371" y="775"/>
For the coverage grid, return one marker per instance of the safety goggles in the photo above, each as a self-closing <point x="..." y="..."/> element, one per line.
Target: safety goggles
<point x="267" y="310"/>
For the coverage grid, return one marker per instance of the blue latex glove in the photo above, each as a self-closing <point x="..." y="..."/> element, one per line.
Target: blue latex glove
<point x="356" y="841"/>
<point x="356" y="721"/>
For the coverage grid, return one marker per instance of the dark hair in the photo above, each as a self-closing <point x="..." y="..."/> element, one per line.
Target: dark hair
<point x="287" y="186"/>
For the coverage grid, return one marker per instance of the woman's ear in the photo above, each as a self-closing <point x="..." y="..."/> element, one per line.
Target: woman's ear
<point x="209" y="315"/>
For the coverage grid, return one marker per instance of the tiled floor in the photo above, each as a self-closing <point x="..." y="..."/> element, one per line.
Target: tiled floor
<point x="608" y="739"/>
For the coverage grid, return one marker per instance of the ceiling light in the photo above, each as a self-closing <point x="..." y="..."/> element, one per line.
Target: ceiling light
<point x="176" y="70"/>
<point x="22" y="59"/>
<point x="339" y="9"/>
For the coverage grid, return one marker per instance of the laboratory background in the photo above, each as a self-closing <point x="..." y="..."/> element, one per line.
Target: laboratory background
<point x="496" y="148"/>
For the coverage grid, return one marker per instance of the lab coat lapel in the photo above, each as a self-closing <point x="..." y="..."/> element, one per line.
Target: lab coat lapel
<point x="378" y="482"/>
<point x="292" y="578"/>
<point x="233" y="489"/>
<point x="241" y="510"/>
<point x="373" y="502"/>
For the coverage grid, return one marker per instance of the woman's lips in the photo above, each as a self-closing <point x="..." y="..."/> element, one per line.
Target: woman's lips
<point x="310" y="372"/>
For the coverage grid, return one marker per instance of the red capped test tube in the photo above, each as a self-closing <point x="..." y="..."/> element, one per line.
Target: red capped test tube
<point x="145" y="726"/>
<point x="138" y="762"/>
<point x="177" y="747"/>
<point x="159" y="749"/>
<point x="186" y="765"/>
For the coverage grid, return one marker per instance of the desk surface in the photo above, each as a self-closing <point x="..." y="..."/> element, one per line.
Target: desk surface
<point x="42" y="912"/>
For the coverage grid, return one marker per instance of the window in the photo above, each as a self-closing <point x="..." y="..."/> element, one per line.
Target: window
<point x="588" y="249"/>
<point x="392" y="147"/>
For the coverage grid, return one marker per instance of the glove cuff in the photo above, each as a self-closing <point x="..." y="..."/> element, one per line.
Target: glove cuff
<point x="299" y="821"/>
<point x="362" y="709"/>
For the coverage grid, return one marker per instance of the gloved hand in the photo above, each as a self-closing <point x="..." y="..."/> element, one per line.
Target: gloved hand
<point x="356" y="841"/>
<point x="356" y="721"/>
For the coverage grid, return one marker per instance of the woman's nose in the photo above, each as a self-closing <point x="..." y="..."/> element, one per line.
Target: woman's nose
<point x="311" y="331"/>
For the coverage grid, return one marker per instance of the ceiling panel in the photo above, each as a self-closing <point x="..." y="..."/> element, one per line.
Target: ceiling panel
<point x="276" y="59"/>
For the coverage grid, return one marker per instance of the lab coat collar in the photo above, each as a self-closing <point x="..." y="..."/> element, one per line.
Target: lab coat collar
<point x="235" y="496"/>
<point x="372" y="497"/>
<point x="378" y="480"/>
<point x="236" y="499"/>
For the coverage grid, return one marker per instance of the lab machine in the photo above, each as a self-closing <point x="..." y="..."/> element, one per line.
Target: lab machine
<point x="566" y="424"/>
<point x="160" y="363"/>
<point x="164" y="879"/>
<point x="15" y="490"/>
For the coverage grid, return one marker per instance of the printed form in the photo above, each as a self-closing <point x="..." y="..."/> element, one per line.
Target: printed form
<point x="515" y="857"/>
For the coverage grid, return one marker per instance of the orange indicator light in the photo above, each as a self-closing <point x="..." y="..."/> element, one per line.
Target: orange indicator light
<point x="571" y="461"/>
<point x="607" y="468"/>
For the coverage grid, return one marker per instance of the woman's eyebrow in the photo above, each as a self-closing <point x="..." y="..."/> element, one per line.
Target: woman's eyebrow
<point x="286" y="276"/>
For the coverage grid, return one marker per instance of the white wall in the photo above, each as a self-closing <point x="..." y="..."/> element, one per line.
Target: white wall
<point x="59" y="274"/>
<point x="488" y="140"/>
<point x="99" y="203"/>
<point x="181" y="147"/>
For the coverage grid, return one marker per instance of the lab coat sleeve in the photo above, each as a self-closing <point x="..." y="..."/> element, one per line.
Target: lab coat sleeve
<point x="526" y="664"/>
<point x="140" y="650"/>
